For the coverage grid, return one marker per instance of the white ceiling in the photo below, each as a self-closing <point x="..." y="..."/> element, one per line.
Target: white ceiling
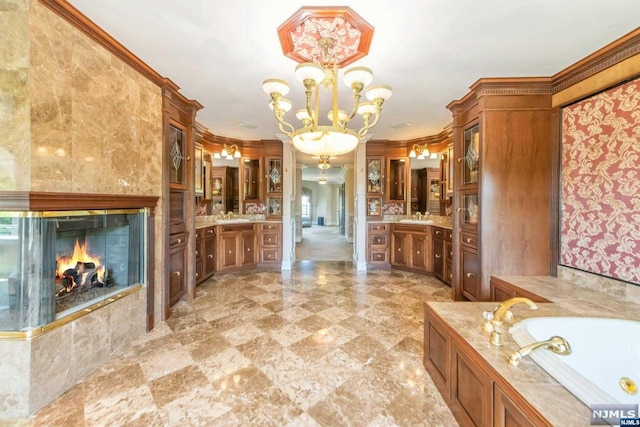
<point x="429" y="51"/>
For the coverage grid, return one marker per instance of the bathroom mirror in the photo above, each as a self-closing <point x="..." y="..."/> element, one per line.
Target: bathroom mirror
<point x="224" y="186"/>
<point x="251" y="178"/>
<point x="397" y="179"/>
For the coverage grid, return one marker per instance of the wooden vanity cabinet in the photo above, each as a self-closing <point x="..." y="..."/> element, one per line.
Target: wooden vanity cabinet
<point x="236" y="246"/>
<point x="199" y="262"/>
<point x="476" y="394"/>
<point x="378" y="244"/>
<point x="205" y="253"/>
<point x="270" y="239"/>
<point x="177" y="267"/>
<point x="411" y="247"/>
<point x="442" y="254"/>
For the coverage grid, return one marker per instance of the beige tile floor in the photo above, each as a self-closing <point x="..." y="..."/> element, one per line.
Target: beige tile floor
<point x="323" y="243"/>
<point x="322" y="345"/>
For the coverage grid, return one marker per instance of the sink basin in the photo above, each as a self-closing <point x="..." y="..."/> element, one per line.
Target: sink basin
<point x="232" y="221"/>
<point x="416" y="221"/>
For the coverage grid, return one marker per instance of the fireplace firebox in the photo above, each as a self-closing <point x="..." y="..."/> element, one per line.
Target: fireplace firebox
<point x="55" y="264"/>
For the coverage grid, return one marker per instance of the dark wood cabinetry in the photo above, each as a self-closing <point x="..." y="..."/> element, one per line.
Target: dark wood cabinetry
<point x="177" y="267"/>
<point x="411" y="247"/>
<point x="205" y="253"/>
<point x="442" y="254"/>
<point x="502" y="134"/>
<point x="476" y="394"/>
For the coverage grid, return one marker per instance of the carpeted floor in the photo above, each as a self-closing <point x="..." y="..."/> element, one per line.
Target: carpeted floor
<point x="323" y="244"/>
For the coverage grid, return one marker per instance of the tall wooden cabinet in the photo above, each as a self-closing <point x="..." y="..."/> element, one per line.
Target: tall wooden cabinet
<point x="502" y="133"/>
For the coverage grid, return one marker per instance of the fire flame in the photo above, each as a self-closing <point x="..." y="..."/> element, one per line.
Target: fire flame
<point x="80" y="254"/>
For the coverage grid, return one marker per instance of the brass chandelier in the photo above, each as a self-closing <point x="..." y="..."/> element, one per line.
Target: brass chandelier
<point x="334" y="138"/>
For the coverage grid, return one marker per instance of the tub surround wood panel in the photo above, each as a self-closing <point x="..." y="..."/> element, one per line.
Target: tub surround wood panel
<point x="525" y="393"/>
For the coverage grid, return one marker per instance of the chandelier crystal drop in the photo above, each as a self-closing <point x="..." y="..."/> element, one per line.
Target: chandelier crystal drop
<point x="335" y="137"/>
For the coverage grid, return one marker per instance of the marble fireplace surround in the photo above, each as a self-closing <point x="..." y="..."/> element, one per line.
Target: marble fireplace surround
<point x="37" y="369"/>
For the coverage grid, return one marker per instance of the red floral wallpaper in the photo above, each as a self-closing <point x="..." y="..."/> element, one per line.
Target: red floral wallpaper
<point x="600" y="217"/>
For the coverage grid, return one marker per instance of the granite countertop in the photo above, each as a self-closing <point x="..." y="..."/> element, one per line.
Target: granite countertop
<point x="438" y="220"/>
<point x="209" y="221"/>
<point x="551" y="399"/>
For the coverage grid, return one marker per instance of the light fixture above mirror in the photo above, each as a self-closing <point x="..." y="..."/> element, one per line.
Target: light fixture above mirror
<point x="419" y="151"/>
<point x="228" y="152"/>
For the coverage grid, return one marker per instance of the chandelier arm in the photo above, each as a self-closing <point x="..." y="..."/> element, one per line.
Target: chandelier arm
<point x="362" y="132"/>
<point x="356" y="102"/>
<point x="282" y="123"/>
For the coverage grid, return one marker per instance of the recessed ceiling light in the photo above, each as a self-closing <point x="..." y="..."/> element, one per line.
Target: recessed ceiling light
<point x="248" y="125"/>
<point x="401" y="125"/>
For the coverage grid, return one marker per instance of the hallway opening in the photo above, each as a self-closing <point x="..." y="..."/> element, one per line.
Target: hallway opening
<point x="323" y="243"/>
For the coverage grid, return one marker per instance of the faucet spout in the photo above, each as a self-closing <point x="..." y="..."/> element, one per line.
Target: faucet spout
<point x="502" y="312"/>
<point x="556" y="344"/>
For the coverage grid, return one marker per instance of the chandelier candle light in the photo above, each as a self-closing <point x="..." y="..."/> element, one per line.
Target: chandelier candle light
<point x="336" y="138"/>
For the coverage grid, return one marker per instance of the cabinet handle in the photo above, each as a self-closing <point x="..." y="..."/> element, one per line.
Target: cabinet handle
<point x="209" y="231"/>
<point x="179" y="240"/>
<point x="438" y="256"/>
<point x="459" y="159"/>
<point x="248" y="249"/>
<point x="197" y="253"/>
<point x="417" y="252"/>
<point x="177" y="273"/>
<point x="229" y="251"/>
<point x="399" y="249"/>
<point x="197" y="275"/>
<point x="468" y="240"/>
<point x="438" y="232"/>
<point x="210" y="256"/>
<point x="451" y="253"/>
<point x="471" y="275"/>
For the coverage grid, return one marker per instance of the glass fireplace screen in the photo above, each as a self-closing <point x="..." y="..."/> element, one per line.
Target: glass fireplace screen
<point x="54" y="264"/>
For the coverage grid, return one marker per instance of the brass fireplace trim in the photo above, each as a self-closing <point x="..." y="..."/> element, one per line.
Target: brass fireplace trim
<point x="40" y="330"/>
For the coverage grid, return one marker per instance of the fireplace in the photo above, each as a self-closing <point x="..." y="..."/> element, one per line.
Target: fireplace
<point x="55" y="264"/>
<point x="76" y="286"/>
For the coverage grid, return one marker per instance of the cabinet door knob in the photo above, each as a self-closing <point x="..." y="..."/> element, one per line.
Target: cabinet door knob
<point x="459" y="209"/>
<point x="229" y="251"/>
<point x="210" y="231"/>
<point x="210" y="256"/>
<point x="399" y="249"/>
<point x="417" y="252"/>
<point x="197" y="275"/>
<point x="179" y="240"/>
<point x="468" y="240"/>
<point x="438" y="256"/>
<point x="471" y="275"/>
<point x="197" y="253"/>
<point x="248" y="249"/>
<point x="177" y="273"/>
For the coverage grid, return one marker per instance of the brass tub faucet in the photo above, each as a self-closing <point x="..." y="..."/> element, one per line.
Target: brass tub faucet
<point x="501" y="313"/>
<point x="556" y="344"/>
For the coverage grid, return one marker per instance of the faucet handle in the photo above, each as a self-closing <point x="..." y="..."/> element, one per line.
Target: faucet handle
<point x="488" y="325"/>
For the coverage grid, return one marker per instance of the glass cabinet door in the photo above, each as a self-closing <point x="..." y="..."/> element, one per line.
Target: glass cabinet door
<point x="397" y="179"/>
<point x="471" y="155"/>
<point x="470" y="209"/>
<point x="274" y="175"/>
<point x="176" y="146"/>
<point x="374" y="175"/>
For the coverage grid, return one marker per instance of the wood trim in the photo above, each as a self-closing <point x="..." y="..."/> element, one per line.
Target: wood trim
<point x="617" y="51"/>
<point x="92" y="30"/>
<point x="51" y="201"/>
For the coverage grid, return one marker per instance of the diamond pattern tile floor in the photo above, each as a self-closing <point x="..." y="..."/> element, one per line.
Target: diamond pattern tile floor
<point x="322" y="345"/>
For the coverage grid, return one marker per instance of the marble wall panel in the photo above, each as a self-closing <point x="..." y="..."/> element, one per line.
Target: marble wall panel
<point x="15" y="374"/>
<point x="595" y="282"/>
<point x="15" y="155"/>
<point x="91" y="346"/>
<point x="51" y="357"/>
<point x="128" y="320"/>
<point x="96" y="122"/>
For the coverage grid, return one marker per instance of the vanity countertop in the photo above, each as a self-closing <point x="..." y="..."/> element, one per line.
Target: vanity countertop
<point x="551" y="399"/>
<point x="204" y="221"/>
<point x="437" y="221"/>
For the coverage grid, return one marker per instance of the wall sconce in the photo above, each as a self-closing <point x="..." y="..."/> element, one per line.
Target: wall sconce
<point x="228" y="152"/>
<point x="419" y="151"/>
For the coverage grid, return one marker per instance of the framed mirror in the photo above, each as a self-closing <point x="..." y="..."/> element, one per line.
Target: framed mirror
<point x="251" y="179"/>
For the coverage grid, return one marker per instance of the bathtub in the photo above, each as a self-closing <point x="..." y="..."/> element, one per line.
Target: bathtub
<point x="603" y="352"/>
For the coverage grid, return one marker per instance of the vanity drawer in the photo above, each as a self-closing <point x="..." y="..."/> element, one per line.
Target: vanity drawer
<point x="178" y="239"/>
<point x="469" y="239"/>
<point x="270" y="227"/>
<point x="438" y="232"/>
<point x="448" y="234"/>
<point x="378" y="239"/>
<point x="378" y="227"/>
<point x="270" y="239"/>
